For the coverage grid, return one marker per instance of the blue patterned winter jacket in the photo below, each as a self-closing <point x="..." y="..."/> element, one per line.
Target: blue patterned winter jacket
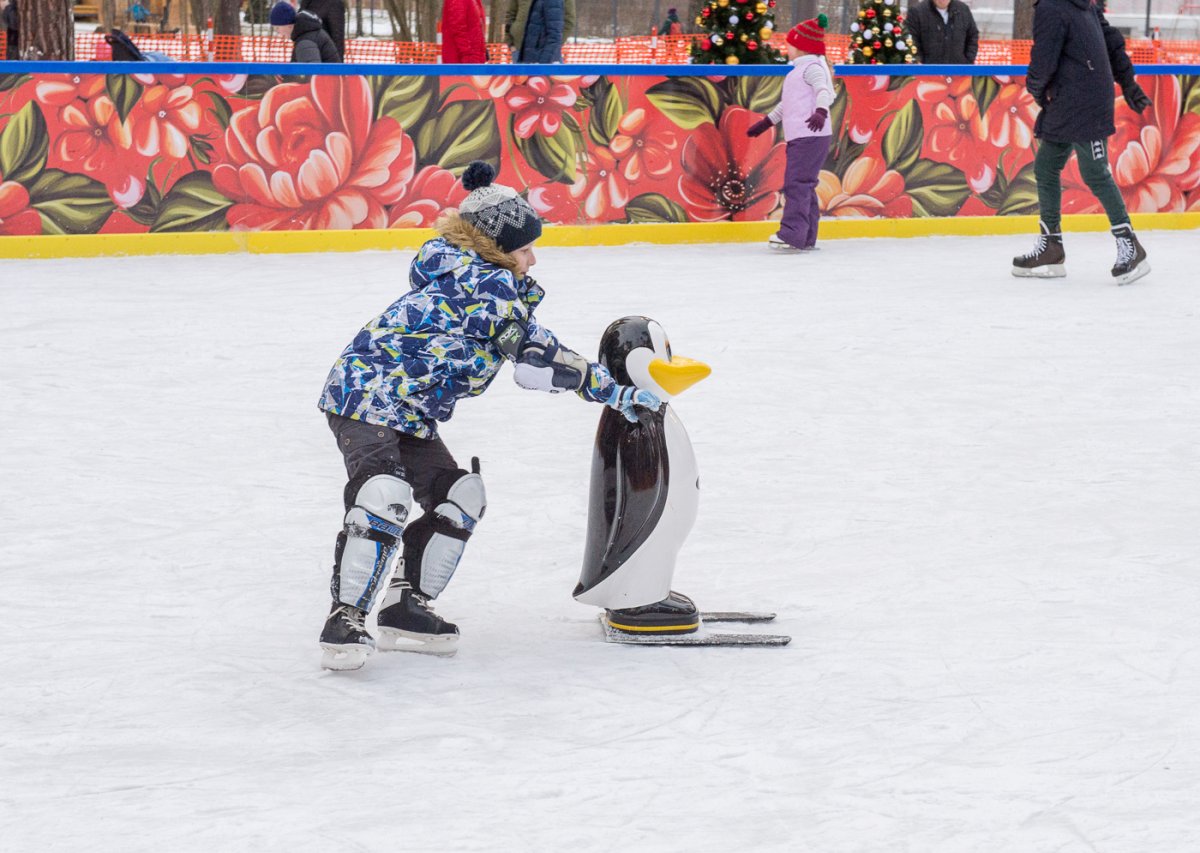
<point x="433" y="346"/>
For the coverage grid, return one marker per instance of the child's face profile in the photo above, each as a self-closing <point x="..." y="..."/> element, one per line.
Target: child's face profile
<point x="525" y="258"/>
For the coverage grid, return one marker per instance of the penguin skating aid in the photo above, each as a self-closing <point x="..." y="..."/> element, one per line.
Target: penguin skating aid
<point x="643" y="500"/>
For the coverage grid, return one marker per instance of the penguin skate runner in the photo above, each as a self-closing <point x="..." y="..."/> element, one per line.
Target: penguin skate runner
<point x="644" y="496"/>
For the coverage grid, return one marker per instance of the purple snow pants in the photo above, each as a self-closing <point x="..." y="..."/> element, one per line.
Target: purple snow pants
<point x="801" y="212"/>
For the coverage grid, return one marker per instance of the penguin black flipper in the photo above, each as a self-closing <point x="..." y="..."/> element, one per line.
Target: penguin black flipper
<point x="629" y="482"/>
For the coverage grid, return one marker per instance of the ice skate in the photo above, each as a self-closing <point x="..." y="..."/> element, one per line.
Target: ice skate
<point x="345" y="639"/>
<point x="780" y="245"/>
<point x="1131" y="257"/>
<point x="408" y="624"/>
<point x="1047" y="260"/>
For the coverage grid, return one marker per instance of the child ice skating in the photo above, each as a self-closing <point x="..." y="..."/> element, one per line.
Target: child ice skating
<point x="804" y="111"/>
<point x="470" y="308"/>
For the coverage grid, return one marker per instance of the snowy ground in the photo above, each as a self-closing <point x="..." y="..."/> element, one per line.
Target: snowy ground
<point x="972" y="499"/>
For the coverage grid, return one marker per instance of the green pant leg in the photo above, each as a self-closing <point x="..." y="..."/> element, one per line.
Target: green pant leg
<point x="1096" y="173"/>
<point x="1048" y="164"/>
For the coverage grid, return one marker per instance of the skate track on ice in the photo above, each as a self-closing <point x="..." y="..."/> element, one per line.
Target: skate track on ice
<point x="972" y="499"/>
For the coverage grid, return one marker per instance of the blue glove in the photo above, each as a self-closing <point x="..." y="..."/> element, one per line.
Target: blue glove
<point x="624" y="398"/>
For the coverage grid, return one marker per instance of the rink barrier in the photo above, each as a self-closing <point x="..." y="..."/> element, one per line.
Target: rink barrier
<point x="693" y="233"/>
<point x="111" y="151"/>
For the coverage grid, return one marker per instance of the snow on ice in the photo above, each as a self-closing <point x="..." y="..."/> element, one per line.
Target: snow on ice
<point x="972" y="499"/>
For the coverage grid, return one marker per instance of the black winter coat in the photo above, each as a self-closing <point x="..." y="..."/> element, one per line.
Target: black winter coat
<point x="310" y="42"/>
<point x="333" y="19"/>
<point x="1076" y="57"/>
<point x="954" y="41"/>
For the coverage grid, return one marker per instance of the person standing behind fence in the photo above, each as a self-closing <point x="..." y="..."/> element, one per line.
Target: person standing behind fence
<point x="944" y="32"/>
<point x="310" y="42"/>
<point x="332" y="14"/>
<point x="672" y="25"/>
<point x="804" y="111"/>
<point x="1076" y="57"/>
<point x="536" y="29"/>
<point x="462" y="31"/>
<point x="12" y="30"/>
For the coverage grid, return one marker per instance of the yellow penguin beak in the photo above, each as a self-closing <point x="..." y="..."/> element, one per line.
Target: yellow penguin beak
<point x="678" y="374"/>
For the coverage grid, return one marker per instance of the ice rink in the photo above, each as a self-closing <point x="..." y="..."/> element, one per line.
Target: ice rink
<point x="972" y="499"/>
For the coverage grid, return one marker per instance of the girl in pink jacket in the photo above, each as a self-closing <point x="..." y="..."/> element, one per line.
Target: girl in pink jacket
<point x="804" y="111"/>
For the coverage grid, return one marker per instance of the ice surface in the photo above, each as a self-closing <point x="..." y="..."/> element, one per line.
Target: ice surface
<point x="972" y="499"/>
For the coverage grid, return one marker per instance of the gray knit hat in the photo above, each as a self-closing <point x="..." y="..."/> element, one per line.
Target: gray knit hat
<point x="497" y="210"/>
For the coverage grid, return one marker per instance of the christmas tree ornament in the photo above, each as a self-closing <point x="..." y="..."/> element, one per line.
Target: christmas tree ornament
<point x="867" y="51"/>
<point x="722" y="3"/>
<point x="704" y="13"/>
<point x="749" y="17"/>
<point x="730" y="36"/>
<point x="752" y="45"/>
<point x="887" y="42"/>
<point x="718" y="39"/>
<point x="854" y="28"/>
<point x="765" y="34"/>
<point x="731" y="60"/>
<point x="877" y="45"/>
<point x="743" y="37"/>
<point x="887" y="13"/>
<point x="706" y="43"/>
<point x="870" y="13"/>
<point x="733" y="19"/>
<point x="761" y="8"/>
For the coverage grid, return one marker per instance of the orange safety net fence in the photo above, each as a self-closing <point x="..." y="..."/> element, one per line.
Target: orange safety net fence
<point x="645" y="50"/>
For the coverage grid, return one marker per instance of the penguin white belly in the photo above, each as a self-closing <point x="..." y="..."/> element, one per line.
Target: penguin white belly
<point x="645" y="577"/>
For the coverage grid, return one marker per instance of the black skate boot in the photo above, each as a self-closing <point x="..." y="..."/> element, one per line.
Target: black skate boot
<point x="1047" y="260"/>
<point x="675" y="614"/>
<point x="345" y="639"/>
<point x="1131" y="257"/>
<point x="408" y="624"/>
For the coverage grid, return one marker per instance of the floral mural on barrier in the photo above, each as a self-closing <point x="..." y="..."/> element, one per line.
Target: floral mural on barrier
<point x="103" y="153"/>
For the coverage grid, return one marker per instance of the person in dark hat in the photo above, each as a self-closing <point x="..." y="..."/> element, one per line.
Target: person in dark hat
<point x="310" y="42"/>
<point x="12" y="29"/>
<point x="469" y="309"/>
<point x="671" y="26"/>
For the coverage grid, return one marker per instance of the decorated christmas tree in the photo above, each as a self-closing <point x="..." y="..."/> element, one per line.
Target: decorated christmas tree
<point x="736" y="32"/>
<point x="880" y="36"/>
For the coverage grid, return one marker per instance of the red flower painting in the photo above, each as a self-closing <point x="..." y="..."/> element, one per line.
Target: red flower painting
<point x="309" y="156"/>
<point x="16" y="216"/>
<point x="727" y="175"/>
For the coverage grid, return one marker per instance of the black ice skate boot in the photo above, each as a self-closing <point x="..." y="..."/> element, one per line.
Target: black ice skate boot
<point x="1131" y="257"/>
<point x="408" y="624"/>
<point x="345" y="639"/>
<point x="675" y="614"/>
<point x="1047" y="260"/>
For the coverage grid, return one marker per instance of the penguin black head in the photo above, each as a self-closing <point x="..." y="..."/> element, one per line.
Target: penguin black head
<point x="635" y="350"/>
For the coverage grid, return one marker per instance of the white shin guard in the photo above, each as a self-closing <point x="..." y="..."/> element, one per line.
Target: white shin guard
<point x="370" y="537"/>
<point x="435" y="542"/>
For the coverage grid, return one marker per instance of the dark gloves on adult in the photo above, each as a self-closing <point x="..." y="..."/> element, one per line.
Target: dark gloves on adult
<point x="816" y="121"/>
<point x="760" y="126"/>
<point x="1136" y="97"/>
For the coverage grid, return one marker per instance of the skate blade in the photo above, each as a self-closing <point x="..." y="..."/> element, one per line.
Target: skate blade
<point x="396" y="640"/>
<point x="1048" y="271"/>
<point x="787" y="248"/>
<point x="344" y="658"/>
<point x="1134" y="274"/>
<point x="702" y="637"/>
